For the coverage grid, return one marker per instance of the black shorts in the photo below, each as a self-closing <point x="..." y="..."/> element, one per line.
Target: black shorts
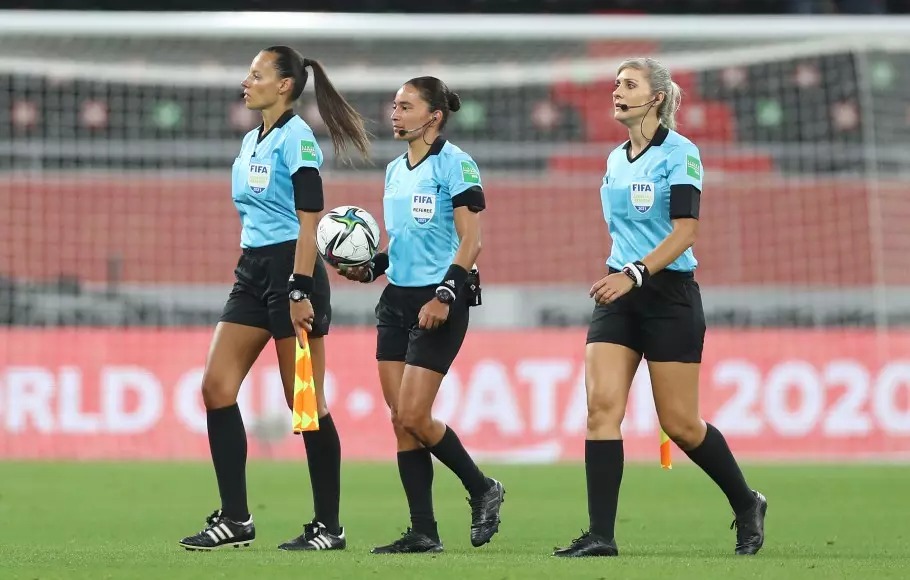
<point x="260" y="294"/>
<point x="664" y="321"/>
<point x="400" y="339"/>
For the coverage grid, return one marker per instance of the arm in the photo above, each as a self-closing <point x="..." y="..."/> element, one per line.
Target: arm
<point x="467" y="224"/>
<point x="305" y="256"/>
<point x="685" y="231"/>
<point x="468" y="205"/>
<point x="465" y="185"/>
<point x="308" y="200"/>
<point x="303" y="158"/>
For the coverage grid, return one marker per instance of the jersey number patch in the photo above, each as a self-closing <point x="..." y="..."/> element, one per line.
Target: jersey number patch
<point x="641" y="195"/>
<point x="259" y="177"/>
<point x="423" y="207"/>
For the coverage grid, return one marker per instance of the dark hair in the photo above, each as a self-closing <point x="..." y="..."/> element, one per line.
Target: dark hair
<point x="344" y="123"/>
<point x="437" y="95"/>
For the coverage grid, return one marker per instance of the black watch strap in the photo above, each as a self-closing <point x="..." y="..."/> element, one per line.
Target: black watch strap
<point x="445" y="295"/>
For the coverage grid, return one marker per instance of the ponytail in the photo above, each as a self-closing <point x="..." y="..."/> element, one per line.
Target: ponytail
<point x="667" y="110"/>
<point x="345" y="124"/>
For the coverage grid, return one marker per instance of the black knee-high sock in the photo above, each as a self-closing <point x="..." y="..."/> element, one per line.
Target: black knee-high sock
<point x="323" y="454"/>
<point x="716" y="459"/>
<point x="227" y="441"/>
<point x="453" y="455"/>
<point x="416" y="470"/>
<point x="604" y="462"/>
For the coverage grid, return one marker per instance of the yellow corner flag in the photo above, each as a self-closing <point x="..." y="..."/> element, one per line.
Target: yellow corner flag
<point x="305" y="414"/>
<point x="665" y="461"/>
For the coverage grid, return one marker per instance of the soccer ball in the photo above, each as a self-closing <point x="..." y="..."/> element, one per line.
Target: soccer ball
<point x="347" y="236"/>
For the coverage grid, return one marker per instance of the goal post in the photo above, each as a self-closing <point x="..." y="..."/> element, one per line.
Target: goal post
<point x="118" y="236"/>
<point x="807" y="110"/>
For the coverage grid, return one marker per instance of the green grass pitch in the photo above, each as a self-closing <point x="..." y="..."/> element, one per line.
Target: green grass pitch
<point x="123" y="520"/>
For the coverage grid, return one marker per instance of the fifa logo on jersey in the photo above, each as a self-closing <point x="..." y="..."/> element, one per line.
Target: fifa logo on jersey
<point x="423" y="207"/>
<point x="259" y="176"/>
<point x="641" y="195"/>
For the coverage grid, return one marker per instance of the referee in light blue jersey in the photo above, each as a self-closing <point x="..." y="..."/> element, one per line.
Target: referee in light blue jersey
<point x="649" y="305"/>
<point x="433" y="197"/>
<point x="281" y="291"/>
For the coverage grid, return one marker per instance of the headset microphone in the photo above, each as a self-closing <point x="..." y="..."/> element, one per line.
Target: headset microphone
<point x="624" y="107"/>
<point x="403" y="132"/>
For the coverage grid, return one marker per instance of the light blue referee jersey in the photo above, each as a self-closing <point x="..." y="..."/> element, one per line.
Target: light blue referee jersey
<point x="261" y="180"/>
<point x="636" y="196"/>
<point x="419" y="213"/>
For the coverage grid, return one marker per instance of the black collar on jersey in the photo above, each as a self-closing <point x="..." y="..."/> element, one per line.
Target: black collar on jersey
<point x="659" y="137"/>
<point x="435" y="148"/>
<point x="281" y="122"/>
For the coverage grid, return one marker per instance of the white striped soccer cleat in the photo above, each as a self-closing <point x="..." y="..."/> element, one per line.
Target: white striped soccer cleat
<point x="315" y="536"/>
<point x="221" y="532"/>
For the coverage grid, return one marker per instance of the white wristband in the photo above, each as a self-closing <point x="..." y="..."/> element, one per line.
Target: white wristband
<point x="636" y="273"/>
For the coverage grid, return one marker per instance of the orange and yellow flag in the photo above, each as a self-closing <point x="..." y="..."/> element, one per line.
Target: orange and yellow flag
<point x="665" y="461"/>
<point x="305" y="415"/>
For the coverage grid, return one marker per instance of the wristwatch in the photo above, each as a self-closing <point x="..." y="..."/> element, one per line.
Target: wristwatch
<point x="445" y="295"/>
<point x="297" y="296"/>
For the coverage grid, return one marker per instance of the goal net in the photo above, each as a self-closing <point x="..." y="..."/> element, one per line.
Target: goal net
<point x="118" y="236"/>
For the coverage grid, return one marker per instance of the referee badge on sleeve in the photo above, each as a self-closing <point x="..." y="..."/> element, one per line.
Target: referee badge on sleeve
<point x="259" y="176"/>
<point x="641" y="195"/>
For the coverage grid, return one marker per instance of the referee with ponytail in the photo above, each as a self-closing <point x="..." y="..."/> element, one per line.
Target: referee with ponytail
<point x="281" y="291"/>
<point x="649" y="306"/>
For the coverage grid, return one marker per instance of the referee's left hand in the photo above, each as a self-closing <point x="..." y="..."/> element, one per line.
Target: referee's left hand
<point x="433" y="315"/>
<point x="610" y="288"/>
<point x="302" y="316"/>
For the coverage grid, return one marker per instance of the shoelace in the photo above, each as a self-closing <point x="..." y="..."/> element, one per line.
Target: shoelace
<point x="402" y="541"/>
<point x="584" y="536"/>
<point x="311" y="531"/>
<point x="476" y="503"/>
<point x="211" y="520"/>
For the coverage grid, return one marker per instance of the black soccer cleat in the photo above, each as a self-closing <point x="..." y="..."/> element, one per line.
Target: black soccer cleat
<point x="410" y="542"/>
<point x="750" y="527"/>
<point x="221" y="532"/>
<point x="589" y="544"/>
<point x="485" y="513"/>
<point x="315" y="536"/>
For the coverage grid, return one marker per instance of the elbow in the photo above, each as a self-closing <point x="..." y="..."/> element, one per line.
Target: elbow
<point x="689" y="233"/>
<point x="690" y="239"/>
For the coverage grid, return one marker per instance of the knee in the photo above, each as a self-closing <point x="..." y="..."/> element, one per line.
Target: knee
<point x="414" y="422"/>
<point x="398" y="426"/>
<point x="216" y="393"/>
<point x="686" y="432"/>
<point x="604" y="412"/>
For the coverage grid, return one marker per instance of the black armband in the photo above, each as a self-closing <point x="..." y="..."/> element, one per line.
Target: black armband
<point x="471" y="198"/>
<point x="308" y="190"/>
<point x="301" y="282"/>
<point x="685" y="201"/>
<point x="378" y="265"/>
<point x="453" y="282"/>
<point x="637" y="272"/>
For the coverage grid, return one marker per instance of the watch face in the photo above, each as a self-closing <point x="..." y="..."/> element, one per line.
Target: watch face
<point x="296" y="295"/>
<point x="444" y="297"/>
